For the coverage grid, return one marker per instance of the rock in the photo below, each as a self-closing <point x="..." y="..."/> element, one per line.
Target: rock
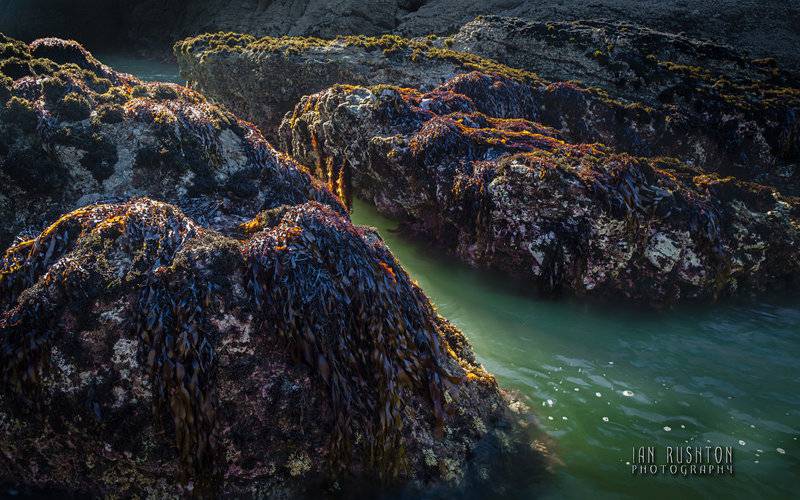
<point x="748" y="129"/>
<point x="765" y="28"/>
<point x="143" y="354"/>
<point x="73" y="131"/>
<point x="245" y="339"/>
<point x="512" y="195"/>
<point x="262" y="79"/>
<point x="628" y="61"/>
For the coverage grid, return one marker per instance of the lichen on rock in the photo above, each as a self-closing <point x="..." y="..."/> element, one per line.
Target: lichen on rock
<point x="513" y="195"/>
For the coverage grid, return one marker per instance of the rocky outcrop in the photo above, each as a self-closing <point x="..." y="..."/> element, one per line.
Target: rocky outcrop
<point x="746" y="128"/>
<point x="512" y="195"/>
<point x="627" y="61"/>
<point x="762" y="27"/>
<point x="143" y="354"/>
<point x="243" y="340"/>
<point x="73" y="131"/>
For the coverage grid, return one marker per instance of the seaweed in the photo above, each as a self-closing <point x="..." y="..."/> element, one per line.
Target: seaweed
<point x="367" y="335"/>
<point x="21" y="113"/>
<point x="73" y="107"/>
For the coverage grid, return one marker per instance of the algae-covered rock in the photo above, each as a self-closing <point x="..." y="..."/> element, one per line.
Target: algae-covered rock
<point x="513" y="195"/>
<point x="263" y="78"/>
<point x="737" y="122"/>
<point x="73" y="131"/>
<point x="626" y="60"/>
<point x="765" y="28"/>
<point x="142" y="354"/>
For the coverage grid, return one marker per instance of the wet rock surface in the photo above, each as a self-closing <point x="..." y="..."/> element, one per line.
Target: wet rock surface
<point x="742" y="122"/>
<point x="143" y="354"/>
<point x="236" y="336"/>
<point x="513" y="195"/>
<point x="73" y="132"/>
<point x="626" y="60"/>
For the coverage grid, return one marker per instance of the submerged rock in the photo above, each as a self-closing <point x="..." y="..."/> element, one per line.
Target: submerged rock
<point x="73" y="131"/>
<point x="513" y="195"/>
<point x="142" y="354"/>
<point x="737" y="122"/>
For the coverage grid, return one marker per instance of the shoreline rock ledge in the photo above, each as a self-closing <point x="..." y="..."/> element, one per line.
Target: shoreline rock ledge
<point x="511" y="195"/>
<point x="735" y="117"/>
<point x="269" y="347"/>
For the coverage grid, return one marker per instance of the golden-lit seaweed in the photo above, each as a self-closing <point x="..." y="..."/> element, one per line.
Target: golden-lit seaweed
<point x="352" y="314"/>
<point x="520" y="197"/>
<point x="169" y="318"/>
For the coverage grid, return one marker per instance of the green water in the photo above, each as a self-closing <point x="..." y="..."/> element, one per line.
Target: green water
<point x="720" y="375"/>
<point x="604" y="379"/>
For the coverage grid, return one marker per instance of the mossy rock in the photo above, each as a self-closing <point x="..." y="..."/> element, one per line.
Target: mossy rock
<point x="64" y="52"/>
<point x="109" y="135"/>
<point x="21" y="113"/>
<point x="74" y="107"/>
<point x="110" y="113"/>
<point x="15" y="68"/>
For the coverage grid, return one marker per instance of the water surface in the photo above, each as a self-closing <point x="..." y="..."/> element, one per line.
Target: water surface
<point x="604" y="379"/>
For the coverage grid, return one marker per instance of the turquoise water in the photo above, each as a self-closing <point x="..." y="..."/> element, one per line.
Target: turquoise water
<point x="604" y="379"/>
<point x="144" y="69"/>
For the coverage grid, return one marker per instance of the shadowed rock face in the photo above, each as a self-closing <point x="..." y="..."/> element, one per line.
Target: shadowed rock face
<point x="628" y="61"/>
<point x="510" y="194"/>
<point x="73" y="131"/>
<point x="245" y="339"/>
<point x="743" y="126"/>
<point x="144" y="354"/>
<point x="762" y="27"/>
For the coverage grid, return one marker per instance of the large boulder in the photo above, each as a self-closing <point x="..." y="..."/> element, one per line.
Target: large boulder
<point x="512" y="195"/>
<point x="73" y="131"/>
<point x="142" y="354"/>
<point x="745" y="126"/>
<point x="245" y="339"/>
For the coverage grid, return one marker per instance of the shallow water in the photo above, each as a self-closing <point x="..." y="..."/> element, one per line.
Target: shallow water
<point x="604" y="379"/>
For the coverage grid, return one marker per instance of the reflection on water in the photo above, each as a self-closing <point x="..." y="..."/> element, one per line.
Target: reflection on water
<point x="602" y="380"/>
